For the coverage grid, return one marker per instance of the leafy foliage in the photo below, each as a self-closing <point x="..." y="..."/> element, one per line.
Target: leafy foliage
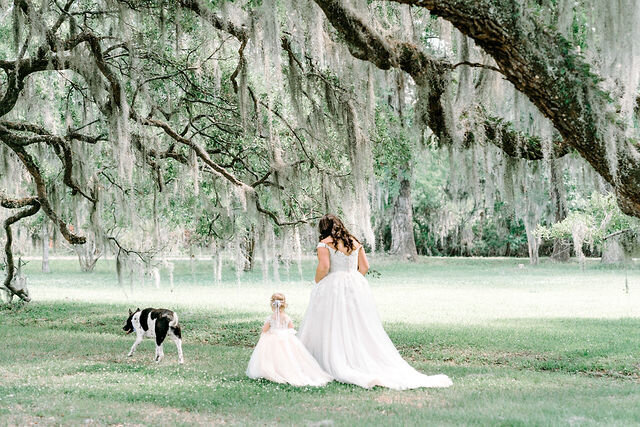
<point x="592" y="220"/>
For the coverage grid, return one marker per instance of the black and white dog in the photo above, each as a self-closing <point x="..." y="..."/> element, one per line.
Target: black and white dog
<point x="155" y="323"/>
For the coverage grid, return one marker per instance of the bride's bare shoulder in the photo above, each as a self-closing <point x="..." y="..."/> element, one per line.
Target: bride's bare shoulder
<point x="327" y="240"/>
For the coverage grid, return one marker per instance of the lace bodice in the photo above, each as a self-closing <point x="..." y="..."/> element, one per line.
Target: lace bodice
<point x="282" y="324"/>
<point x="340" y="261"/>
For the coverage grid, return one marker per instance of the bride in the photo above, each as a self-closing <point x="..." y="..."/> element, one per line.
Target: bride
<point x="341" y="327"/>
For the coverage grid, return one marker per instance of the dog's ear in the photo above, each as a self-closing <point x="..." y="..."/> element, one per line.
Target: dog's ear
<point x="130" y="313"/>
<point x="137" y="309"/>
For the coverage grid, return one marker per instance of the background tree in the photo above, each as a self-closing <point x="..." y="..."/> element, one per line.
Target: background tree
<point x="240" y="122"/>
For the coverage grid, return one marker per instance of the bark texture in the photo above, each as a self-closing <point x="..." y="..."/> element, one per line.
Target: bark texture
<point x="537" y="60"/>
<point x="45" y="247"/>
<point x="541" y="64"/>
<point x="402" y="240"/>
<point x="31" y="206"/>
<point x="88" y="255"/>
<point x="432" y="75"/>
<point x="613" y="251"/>
<point x="561" y="248"/>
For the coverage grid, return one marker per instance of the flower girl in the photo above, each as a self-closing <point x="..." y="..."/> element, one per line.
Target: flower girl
<point x="280" y="356"/>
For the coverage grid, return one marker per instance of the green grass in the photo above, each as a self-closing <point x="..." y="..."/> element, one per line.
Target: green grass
<point x="545" y="345"/>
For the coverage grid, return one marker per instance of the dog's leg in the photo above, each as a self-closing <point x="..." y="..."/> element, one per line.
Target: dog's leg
<point x="175" y="333"/>
<point x="162" y="327"/>
<point x="159" y="352"/>
<point x="178" y="343"/>
<point x="135" y="344"/>
<point x="179" y="346"/>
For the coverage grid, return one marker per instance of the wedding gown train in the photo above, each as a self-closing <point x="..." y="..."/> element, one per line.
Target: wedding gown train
<point x="343" y="331"/>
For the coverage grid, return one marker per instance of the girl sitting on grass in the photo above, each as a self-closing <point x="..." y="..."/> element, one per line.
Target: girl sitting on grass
<point x="280" y="356"/>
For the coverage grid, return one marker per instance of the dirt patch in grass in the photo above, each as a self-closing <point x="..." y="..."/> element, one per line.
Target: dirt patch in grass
<point x="112" y="413"/>
<point x="9" y="376"/>
<point x="21" y="419"/>
<point x="416" y="399"/>
<point x="613" y="374"/>
<point x="154" y="414"/>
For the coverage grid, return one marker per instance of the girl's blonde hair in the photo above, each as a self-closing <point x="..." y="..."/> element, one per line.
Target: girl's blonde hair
<point x="282" y="301"/>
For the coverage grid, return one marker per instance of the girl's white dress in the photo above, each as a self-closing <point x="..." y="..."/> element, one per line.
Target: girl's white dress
<point x="343" y="331"/>
<point x="280" y="356"/>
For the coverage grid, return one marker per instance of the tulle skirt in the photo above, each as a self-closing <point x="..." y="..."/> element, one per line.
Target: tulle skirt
<point x="343" y="331"/>
<point x="280" y="356"/>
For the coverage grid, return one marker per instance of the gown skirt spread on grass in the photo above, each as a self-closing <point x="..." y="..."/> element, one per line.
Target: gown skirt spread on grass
<point x="343" y="331"/>
<point x="280" y="356"/>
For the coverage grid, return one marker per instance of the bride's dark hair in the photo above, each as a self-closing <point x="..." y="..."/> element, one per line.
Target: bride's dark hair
<point x="331" y="225"/>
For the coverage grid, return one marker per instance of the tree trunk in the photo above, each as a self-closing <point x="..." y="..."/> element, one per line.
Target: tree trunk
<point x="216" y="258"/>
<point x="402" y="240"/>
<point x="561" y="248"/>
<point x="533" y="241"/>
<point x="19" y="283"/>
<point x="561" y="251"/>
<point x="249" y="249"/>
<point x="14" y="282"/>
<point x="170" y="267"/>
<point x="613" y="251"/>
<point x="45" y="246"/>
<point x="88" y="255"/>
<point x="192" y="263"/>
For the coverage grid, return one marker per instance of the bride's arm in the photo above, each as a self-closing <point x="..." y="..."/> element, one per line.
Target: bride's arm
<point x="363" y="263"/>
<point x="323" y="263"/>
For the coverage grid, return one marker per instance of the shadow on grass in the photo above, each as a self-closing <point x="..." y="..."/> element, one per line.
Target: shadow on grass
<point x="602" y="347"/>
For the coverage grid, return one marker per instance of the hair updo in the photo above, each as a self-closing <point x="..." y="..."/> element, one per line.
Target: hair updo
<point x="331" y="226"/>
<point x="278" y="297"/>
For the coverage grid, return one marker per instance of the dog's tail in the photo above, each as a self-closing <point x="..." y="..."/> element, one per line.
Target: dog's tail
<point x="174" y="322"/>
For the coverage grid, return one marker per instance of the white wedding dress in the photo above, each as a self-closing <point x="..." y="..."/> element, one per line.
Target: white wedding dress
<point x="343" y="331"/>
<point x="280" y="356"/>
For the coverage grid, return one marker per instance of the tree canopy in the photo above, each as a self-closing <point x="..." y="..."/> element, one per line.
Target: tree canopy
<point x="128" y="122"/>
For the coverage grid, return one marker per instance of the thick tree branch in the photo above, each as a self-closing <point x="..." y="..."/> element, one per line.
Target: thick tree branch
<point x="17" y="71"/>
<point x="366" y="43"/>
<point x="543" y="66"/>
<point x="32" y="209"/>
<point x="200" y="152"/>
<point x="275" y="218"/>
<point x="204" y="11"/>
<point x="33" y="169"/>
<point x="616" y="233"/>
<point x="519" y="145"/>
<point x="476" y="65"/>
<point x="49" y="56"/>
<point x="59" y="144"/>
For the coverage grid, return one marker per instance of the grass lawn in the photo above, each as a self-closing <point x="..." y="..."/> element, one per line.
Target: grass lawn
<point x="545" y="345"/>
